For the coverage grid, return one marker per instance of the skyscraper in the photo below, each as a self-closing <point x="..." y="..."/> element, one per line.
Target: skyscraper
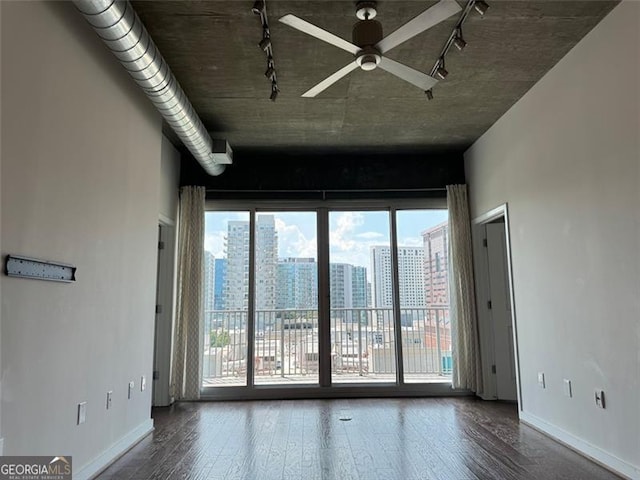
<point x="381" y="276"/>
<point x="436" y="265"/>
<point x="236" y="288"/>
<point x="297" y="283"/>
<point x="266" y="259"/>
<point x="237" y="275"/>
<point x="209" y="284"/>
<point x="410" y="272"/>
<point x="220" y="277"/>
<point x="348" y="290"/>
<point x="359" y="287"/>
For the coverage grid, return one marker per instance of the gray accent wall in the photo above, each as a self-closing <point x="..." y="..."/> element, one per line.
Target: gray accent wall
<point x="566" y="160"/>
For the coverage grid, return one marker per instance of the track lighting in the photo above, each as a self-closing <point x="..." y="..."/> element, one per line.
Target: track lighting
<point x="258" y="7"/>
<point x="481" y="7"/>
<point x="455" y="38"/>
<point x="442" y="72"/>
<point x="265" y="43"/>
<point x="458" y="41"/>
<point x="270" y="72"/>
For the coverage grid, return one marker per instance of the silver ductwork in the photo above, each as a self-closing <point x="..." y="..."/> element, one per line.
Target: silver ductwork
<point x="120" y="28"/>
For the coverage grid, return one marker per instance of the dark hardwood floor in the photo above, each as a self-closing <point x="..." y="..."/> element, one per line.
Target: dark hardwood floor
<point x="427" y="438"/>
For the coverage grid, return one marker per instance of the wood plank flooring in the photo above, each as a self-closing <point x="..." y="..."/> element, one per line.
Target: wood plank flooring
<point x="426" y="438"/>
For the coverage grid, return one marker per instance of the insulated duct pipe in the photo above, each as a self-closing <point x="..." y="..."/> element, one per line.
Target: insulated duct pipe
<point x="120" y="28"/>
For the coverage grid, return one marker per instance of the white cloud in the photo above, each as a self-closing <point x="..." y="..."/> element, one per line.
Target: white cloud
<point x="370" y="235"/>
<point x="346" y="245"/>
<point x="342" y="236"/>
<point x="411" y="242"/>
<point x="214" y="243"/>
<point x="292" y="242"/>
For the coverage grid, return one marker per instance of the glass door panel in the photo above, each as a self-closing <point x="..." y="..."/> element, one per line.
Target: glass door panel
<point x="226" y="299"/>
<point x="361" y="298"/>
<point x="286" y="299"/>
<point x="424" y="294"/>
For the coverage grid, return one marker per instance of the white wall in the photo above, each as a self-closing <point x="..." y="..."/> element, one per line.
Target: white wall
<point x="80" y="184"/>
<point x="169" y="181"/>
<point x="566" y="160"/>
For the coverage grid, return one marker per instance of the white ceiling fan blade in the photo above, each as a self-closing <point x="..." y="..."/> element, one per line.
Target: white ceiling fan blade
<point x="330" y="80"/>
<point x="427" y="19"/>
<point x="311" y="29"/>
<point x="408" y="74"/>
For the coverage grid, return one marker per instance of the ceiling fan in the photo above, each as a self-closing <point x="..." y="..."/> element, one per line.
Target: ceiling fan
<point x="369" y="46"/>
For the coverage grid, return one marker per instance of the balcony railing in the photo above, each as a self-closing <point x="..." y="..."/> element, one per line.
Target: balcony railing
<point x="363" y="345"/>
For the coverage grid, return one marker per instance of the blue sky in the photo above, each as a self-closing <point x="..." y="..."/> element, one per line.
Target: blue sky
<point x="351" y="233"/>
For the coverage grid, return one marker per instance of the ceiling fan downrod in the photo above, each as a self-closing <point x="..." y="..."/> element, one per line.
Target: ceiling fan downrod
<point x="366" y="34"/>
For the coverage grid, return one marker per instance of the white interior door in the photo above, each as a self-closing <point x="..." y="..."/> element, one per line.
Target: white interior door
<point x="500" y="311"/>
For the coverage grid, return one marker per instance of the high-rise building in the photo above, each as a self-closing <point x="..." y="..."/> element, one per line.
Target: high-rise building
<point x="220" y="277"/>
<point x="236" y="290"/>
<point x="410" y="272"/>
<point x="266" y="259"/>
<point x="348" y="290"/>
<point x="381" y="276"/>
<point x="436" y="265"/>
<point x="209" y="283"/>
<point x="340" y="285"/>
<point x="297" y="283"/>
<point x="359" y="287"/>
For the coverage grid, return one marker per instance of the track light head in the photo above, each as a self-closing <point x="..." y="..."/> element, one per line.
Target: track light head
<point x="442" y="72"/>
<point x="274" y="93"/>
<point x="265" y="43"/>
<point x="270" y="72"/>
<point x="481" y="7"/>
<point x="429" y="94"/>
<point x="258" y="7"/>
<point x="458" y="41"/>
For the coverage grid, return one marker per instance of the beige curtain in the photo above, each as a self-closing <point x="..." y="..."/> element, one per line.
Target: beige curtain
<point x="187" y="336"/>
<point x="467" y="367"/>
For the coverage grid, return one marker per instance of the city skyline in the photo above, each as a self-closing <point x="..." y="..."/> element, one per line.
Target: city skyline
<point x="351" y="233"/>
<point x="291" y="282"/>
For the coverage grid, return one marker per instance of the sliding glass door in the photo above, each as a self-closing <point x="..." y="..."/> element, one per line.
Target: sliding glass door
<point x="361" y="298"/>
<point x="286" y="299"/>
<point x="226" y="299"/>
<point x="424" y="294"/>
<point x="319" y="297"/>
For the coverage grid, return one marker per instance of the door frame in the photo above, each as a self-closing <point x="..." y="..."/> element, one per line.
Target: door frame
<point x="482" y="296"/>
<point x="164" y="318"/>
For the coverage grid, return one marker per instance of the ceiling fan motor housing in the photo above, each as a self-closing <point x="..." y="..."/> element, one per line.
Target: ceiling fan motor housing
<point x="366" y="34"/>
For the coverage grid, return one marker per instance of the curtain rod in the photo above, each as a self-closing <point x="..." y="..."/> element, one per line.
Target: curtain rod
<point x="371" y="190"/>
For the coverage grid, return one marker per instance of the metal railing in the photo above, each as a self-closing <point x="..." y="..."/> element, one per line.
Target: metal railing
<point x="362" y="345"/>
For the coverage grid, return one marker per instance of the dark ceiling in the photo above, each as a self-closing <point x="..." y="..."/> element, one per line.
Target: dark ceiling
<point x="212" y="49"/>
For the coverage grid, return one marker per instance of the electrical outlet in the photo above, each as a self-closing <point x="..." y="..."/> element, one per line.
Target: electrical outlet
<point x="82" y="412"/>
<point x="599" y="398"/>
<point x="143" y="383"/>
<point x="109" y="398"/>
<point x="132" y="385"/>
<point x="541" y="380"/>
<point x="567" y="388"/>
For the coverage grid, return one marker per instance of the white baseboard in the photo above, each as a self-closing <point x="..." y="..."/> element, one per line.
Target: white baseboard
<point x="583" y="447"/>
<point x="114" y="452"/>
